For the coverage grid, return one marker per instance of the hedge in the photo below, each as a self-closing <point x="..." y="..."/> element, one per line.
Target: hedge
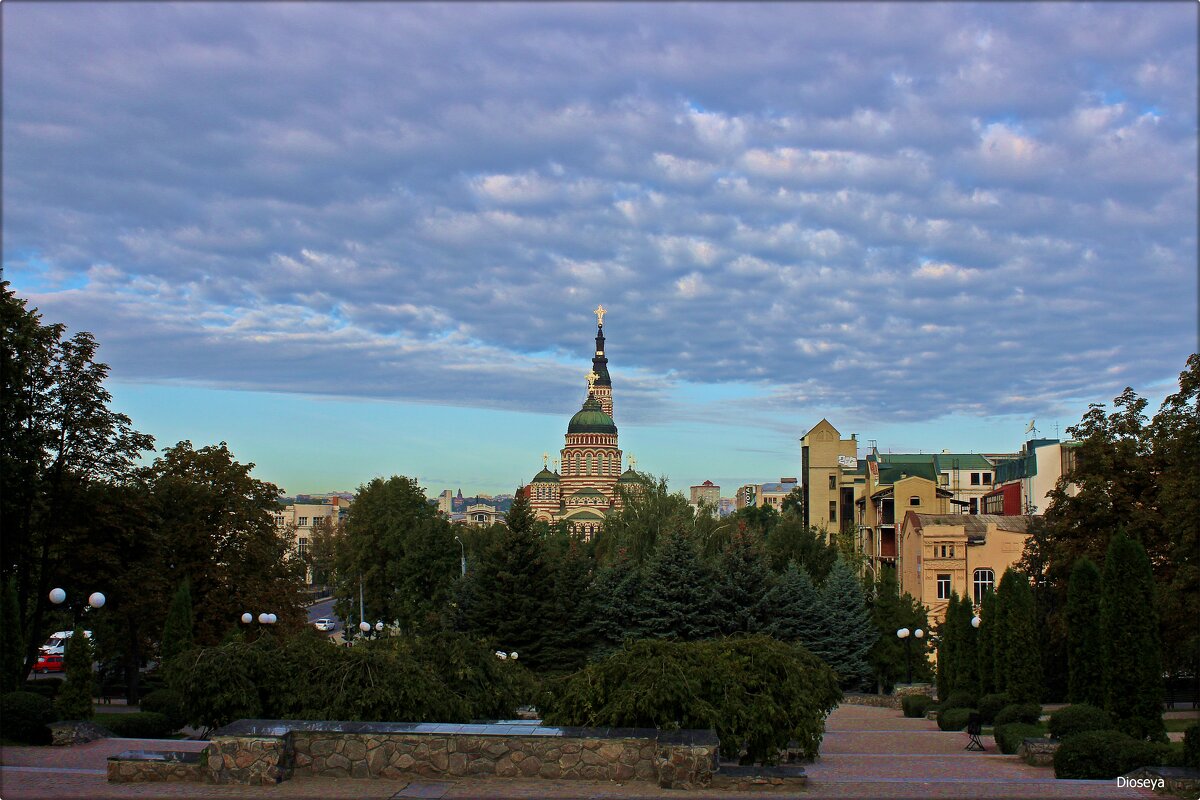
<point x="960" y="699"/>
<point x="45" y="688"/>
<point x="991" y="704"/>
<point x="1191" y="747"/>
<point x="1103" y="755"/>
<point x="1078" y="718"/>
<point x="1028" y="713"/>
<point x="954" y="719"/>
<point x="915" y="705"/>
<point x="137" y="725"/>
<point x="1009" y="736"/>
<point x="167" y="702"/>
<point x="24" y="717"/>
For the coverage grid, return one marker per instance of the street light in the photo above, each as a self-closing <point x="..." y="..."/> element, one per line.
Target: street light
<point x="265" y="618"/>
<point x="975" y="620"/>
<point x="59" y="596"/>
<point x="907" y="636"/>
<point x="462" y="547"/>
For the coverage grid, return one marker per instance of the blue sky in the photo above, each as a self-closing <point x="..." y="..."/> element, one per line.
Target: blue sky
<point x="363" y="239"/>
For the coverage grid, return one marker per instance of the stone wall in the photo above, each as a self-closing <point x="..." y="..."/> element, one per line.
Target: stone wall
<point x="1038" y="752"/>
<point x="136" y="766"/>
<point x="254" y="761"/>
<point x="876" y="700"/>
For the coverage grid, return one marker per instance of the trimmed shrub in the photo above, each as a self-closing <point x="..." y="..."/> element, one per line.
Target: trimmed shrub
<point x="167" y="702"/>
<point x="1009" y="737"/>
<point x="954" y="719"/>
<point x="915" y="705"/>
<point x="1078" y="718"/>
<point x="48" y="689"/>
<point x="137" y="725"/>
<point x="991" y="704"/>
<point x="960" y="699"/>
<point x="1191" y="747"/>
<point x="24" y="717"/>
<point x="1029" y="713"/>
<point x="1103" y="755"/>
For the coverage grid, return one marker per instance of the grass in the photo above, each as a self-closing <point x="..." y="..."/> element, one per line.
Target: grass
<point x="1180" y="724"/>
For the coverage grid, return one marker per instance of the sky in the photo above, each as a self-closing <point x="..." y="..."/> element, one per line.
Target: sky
<point x="366" y="239"/>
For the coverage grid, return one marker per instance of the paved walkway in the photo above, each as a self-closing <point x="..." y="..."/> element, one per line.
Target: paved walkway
<point x="867" y="753"/>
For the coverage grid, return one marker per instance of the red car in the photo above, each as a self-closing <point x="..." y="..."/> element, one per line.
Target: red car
<point x="49" y="663"/>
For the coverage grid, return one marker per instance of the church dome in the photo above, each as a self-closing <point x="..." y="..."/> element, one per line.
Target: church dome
<point x="591" y="419"/>
<point x="545" y="476"/>
<point x="629" y="476"/>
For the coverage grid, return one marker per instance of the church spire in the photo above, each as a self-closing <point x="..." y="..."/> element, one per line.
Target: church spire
<point x="599" y="384"/>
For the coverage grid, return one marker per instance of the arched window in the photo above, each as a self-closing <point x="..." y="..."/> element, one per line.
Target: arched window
<point x="589" y="463"/>
<point x="600" y="470"/>
<point x="985" y="581"/>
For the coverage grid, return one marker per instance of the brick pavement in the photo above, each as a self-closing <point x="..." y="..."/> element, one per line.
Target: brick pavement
<point x="867" y="753"/>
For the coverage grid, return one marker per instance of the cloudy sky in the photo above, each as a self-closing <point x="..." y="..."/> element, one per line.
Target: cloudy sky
<point x="366" y="239"/>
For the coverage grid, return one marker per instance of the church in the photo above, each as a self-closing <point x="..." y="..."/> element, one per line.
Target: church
<point x="586" y="490"/>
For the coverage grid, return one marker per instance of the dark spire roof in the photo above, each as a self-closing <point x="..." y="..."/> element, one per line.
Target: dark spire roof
<point x="600" y="361"/>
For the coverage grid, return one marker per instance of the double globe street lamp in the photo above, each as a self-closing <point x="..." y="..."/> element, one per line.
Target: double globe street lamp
<point x="907" y="636"/>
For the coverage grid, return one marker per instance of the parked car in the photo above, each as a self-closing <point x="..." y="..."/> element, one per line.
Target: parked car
<point x="49" y="663"/>
<point x="57" y="642"/>
<point x="324" y="624"/>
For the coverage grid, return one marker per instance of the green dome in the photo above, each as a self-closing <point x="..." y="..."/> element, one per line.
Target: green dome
<point x="591" y="419"/>
<point x="545" y="476"/>
<point x="629" y="476"/>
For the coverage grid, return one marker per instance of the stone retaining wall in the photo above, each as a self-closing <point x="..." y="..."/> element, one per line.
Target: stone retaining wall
<point x="875" y="700"/>
<point x="1038" y="752"/>
<point x="249" y="760"/>
<point x="137" y="766"/>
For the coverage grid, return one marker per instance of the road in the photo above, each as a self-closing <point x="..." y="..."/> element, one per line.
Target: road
<point x="325" y="609"/>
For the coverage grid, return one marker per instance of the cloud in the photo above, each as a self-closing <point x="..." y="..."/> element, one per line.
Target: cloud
<point x="851" y="208"/>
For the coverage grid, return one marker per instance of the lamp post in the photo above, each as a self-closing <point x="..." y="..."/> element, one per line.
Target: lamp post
<point x="463" y="548"/>
<point x="907" y="636"/>
<point x="975" y="620"/>
<point x="58" y="596"/>
<point x="265" y="618"/>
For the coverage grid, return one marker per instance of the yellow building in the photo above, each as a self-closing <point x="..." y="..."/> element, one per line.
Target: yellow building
<point x="888" y="493"/>
<point x="966" y="554"/>
<point x="830" y="474"/>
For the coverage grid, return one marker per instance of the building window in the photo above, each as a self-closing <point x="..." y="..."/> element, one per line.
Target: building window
<point x="974" y="505"/>
<point x="993" y="504"/>
<point x="914" y="501"/>
<point x="985" y="581"/>
<point x="944" y="479"/>
<point x="279" y="520"/>
<point x="833" y="510"/>
<point x="304" y="522"/>
<point x="302" y="546"/>
<point x="943" y="587"/>
<point x="987" y="477"/>
<point x="974" y="478"/>
<point x="833" y="481"/>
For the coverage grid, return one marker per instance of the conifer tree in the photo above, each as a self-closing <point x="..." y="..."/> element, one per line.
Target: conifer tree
<point x="676" y="601"/>
<point x="846" y="632"/>
<point x="12" y="644"/>
<point x="75" y="699"/>
<point x="1085" y="644"/>
<point x="177" y="630"/>
<point x="1000" y="633"/>
<point x="796" y="606"/>
<point x="1023" y="678"/>
<point x="743" y="582"/>
<point x="966" y="667"/>
<point x="949" y="639"/>
<point x="987" y="645"/>
<point x="568" y="634"/>
<point x="1133" y="688"/>
<point x="614" y="596"/>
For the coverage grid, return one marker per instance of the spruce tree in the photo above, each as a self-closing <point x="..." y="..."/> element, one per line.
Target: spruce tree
<point x="75" y="699"/>
<point x="1000" y="633"/>
<point x="987" y="645"/>
<point x="796" y="606"/>
<point x="1133" y="689"/>
<point x="613" y="597"/>
<point x="177" y="630"/>
<point x="966" y="656"/>
<point x="12" y="643"/>
<point x="1085" y="644"/>
<point x="676" y="601"/>
<point x="568" y="638"/>
<point x="846" y="633"/>
<point x="520" y="514"/>
<point x="1023" y="679"/>
<point x="743" y="582"/>
<point x="947" y="652"/>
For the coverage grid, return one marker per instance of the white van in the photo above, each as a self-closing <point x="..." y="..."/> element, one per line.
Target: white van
<point x="57" y="643"/>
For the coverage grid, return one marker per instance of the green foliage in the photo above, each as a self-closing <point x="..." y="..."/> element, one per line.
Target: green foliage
<point x="24" y="717"/>
<point x="613" y="597"/>
<point x="990" y="705"/>
<point x="1010" y="735"/>
<point x="646" y="516"/>
<point x="75" y="699"/>
<point x="791" y="540"/>
<point x="1133" y="688"/>
<point x="915" y="705"/>
<point x="138" y="725"/>
<point x="758" y="693"/>
<point x="1029" y="713"/>
<point x="1104" y="755"/>
<point x="987" y="644"/>
<point x="12" y="644"/>
<point x="1023" y="666"/>
<point x="743" y="582"/>
<point x="177" y="631"/>
<point x="217" y="684"/>
<point x="891" y="657"/>
<point x="488" y="687"/>
<point x="966" y="654"/>
<point x="568" y="622"/>
<point x="797" y="607"/>
<point x="167" y="702"/>
<point x="519" y="516"/>
<point x="1191" y="747"/>
<point x="845" y="633"/>
<point x="1085" y="643"/>
<point x="954" y="719"/>
<point x="1078" y="718"/>
<point x="960" y="699"/>
<point x="759" y="521"/>
<point x="676" y="600"/>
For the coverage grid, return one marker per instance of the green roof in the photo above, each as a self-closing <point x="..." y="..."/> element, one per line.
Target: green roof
<point x="890" y="473"/>
<point x="948" y="461"/>
<point x="630" y="476"/>
<point x="582" y="513"/>
<point x="545" y="476"/>
<point x="588" y="493"/>
<point x="591" y="419"/>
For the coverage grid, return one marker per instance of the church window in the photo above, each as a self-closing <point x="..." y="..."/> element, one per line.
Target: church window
<point x="601" y="459"/>
<point x="589" y="463"/>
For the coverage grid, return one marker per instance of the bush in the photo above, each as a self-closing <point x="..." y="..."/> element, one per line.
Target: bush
<point x="960" y="699"/>
<point x="1029" y="713"/>
<point x="48" y="689"/>
<point x="1009" y="736"/>
<point x="954" y="719"/>
<point x="915" y="705"/>
<point x="990" y="705"/>
<point x="137" y="725"/>
<point x="167" y="702"/>
<point x="1078" y="718"/>
<point x="1191" y="747"/>
<point x="757" y="692"/>
<point x="24" y="717"/>
<point x="1103" y="755"/>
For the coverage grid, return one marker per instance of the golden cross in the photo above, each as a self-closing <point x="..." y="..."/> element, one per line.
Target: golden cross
<point x="592" y="377"/>
<point x="556" y="465"/>
<point x="632" y="461"/>
<point x="600" y="312"/>
<point x="544" y="457"/>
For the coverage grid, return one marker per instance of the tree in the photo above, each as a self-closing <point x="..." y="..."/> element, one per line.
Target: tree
<point x="647" y="514"/>
<point x="12" y="645"/>
<point x="798" y="608"/>
<point x="177" y="631"/>
<point x="568" y="617"/>
<point x="743" y="580"/>
<point x="326" y="540"/>
<point x="792" y="540"/>
<point x="1023" y="666"/>
<point x="1133" y="689"/>
<point x="793" y="503"/>
<point x="75" y="699"/>
<point x="1085" y="648"/>
<point x="613" y="597"/>
<point x="987" y="644"/>
<point x="890" y="656"/>
<point x="520" y="514"/>
<point x="676" y="601"/>
<point x="966" y="666"/>
<point x="1000" y="634"/>
<point x="846" y="633"/>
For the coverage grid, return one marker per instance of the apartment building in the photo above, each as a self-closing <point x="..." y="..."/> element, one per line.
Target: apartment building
<point x="1023" y="483"/>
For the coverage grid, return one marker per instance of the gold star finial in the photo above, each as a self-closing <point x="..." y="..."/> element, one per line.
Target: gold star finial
<point x="544" y="457"/>
<point x="632" y="461"/>
<point x="556" y="465"/>
<point x="600" y="312"/>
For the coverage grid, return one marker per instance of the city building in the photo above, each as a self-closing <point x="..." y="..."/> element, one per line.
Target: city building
<point x="707" y="493"/>
<point x="961" y="553"/>
<point x="302" y="518"/>
<point x="746" y="497"/>
<point x="1022" y="484"/>
<point x="890" y="491"/>
<point x="830" y="474"/>
<point x="773" y="494"/>
<point x="591" y="481"/>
